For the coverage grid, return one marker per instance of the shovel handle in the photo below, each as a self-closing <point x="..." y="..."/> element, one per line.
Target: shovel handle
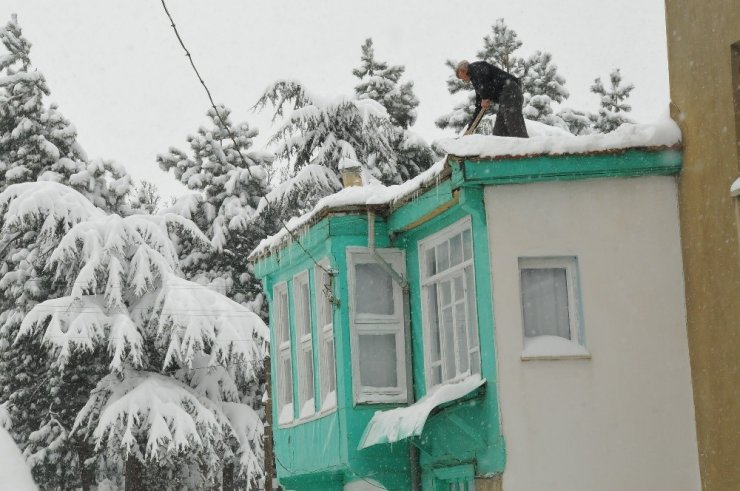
<point x="476" y="122"/>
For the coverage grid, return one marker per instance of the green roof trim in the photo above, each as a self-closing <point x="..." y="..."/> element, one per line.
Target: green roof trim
<point x="628" y="163"/>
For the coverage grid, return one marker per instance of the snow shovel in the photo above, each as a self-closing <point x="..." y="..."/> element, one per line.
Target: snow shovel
<point x="476" y="122"/>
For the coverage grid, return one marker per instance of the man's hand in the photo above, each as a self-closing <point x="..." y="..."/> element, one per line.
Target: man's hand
<point x="485" y="104"/>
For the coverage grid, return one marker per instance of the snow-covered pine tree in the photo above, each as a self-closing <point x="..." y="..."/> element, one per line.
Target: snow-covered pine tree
<point x="499" y="48"/>
<point x="578" y="122"/>
<point x="171" y="408"/>
<point x="37" y="142"/>
<point x="380" y="82"/>
<point x="539" y="108"/>
<point x="41" y="400"/>
<point x="542" y="85"/>
<point x="612" y="112"/>
<point x="227" y="193"/>
<point x="322" y="131"/>
<point x="145" y="198"/>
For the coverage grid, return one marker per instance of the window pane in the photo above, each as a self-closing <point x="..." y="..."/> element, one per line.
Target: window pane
<point x="286" y="380"/>
<point x="431" y="267"/>
<point x="378" y="360"/>
<point x="446" y="292"/>
<point x="458" y="284"/>
<point x="462" y="337"/>
<point x="475" y="362"/>
<point x="467" y="245"/>
<point x="472" y="316"/>
<point x="443" y="258"/>
<point x="373" y="290"/>
<point x="282" y="316"/>
<point x="436" y="375"/>
<point x="331" y="375"/>
<point x="456" y="250"/>
<point x="307" y="375"/>
<point x="322" y="296"/>
<point x="302" y="310"/>
<point x="545" y="302"/>
<point x="448" y="337"/>
<point x="434" y="352"/>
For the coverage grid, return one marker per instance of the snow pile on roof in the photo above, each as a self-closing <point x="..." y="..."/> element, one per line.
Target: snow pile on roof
<point x="664" y="133"/>
<point x="396" y="424"/>
<point x="371" y="194"/>
<point x="14" y="473"/>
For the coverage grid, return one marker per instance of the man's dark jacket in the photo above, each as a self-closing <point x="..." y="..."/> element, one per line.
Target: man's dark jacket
<point x="488" y="81"/>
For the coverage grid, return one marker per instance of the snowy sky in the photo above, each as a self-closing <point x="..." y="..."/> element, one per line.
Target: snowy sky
<point x="118" y="74"/>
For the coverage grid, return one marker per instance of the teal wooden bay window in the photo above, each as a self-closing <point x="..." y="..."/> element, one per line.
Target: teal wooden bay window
<point x="377" y="322"/>
<point x="449" y="317"/>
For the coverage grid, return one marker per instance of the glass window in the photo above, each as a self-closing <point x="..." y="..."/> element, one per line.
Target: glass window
<point x="302" y="306"/>
<point x="374" y="290"/>
<point x="549" y="296"/>
<point x="376" y="315"/>
<point x="449" y="304"/>
<point x="325" y="310"/>
<point x="284" y="365"/>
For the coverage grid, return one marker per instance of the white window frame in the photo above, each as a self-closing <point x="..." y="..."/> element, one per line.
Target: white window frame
<point x="575" y="324"/>
<point x="304" y="347"/>
<point x="327" y="353"/>
<point x="282" y="338"/>
<point x="378" y="324"/>
<point x="470" y="302"/>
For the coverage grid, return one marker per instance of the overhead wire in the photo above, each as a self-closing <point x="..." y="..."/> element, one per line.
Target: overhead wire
<point x="292" y="233"/>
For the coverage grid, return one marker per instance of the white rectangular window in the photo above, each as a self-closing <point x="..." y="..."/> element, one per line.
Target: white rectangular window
<point x="325" y="310"/>
<point x="302" y="308"/>
<point x="550" y="310"/>
<point x="449" y="314"/>
<point x="284" y="362"/>
<point x="376" y="314"/>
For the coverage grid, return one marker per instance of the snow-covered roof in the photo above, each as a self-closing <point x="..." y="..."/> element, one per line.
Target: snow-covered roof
<point x="370" y="194"/>
<point x="397" y="424"/>
<point x="543" y="140"/>
<point x="664" y="133"/>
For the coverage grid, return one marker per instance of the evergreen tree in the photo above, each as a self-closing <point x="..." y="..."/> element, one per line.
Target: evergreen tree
<point x="228" y="193"/>
<point x="145" y="198"/>
<point x="578" y="122"/>
<point x="321" y="132"/>
<point x="40" y="400"/>
<point x="178" y="356"/>
<point x="499" y="48"/>
<point x="380" y="82"/>
<point x="539" y="108"/>
<point x="612" y="112"/>
<point x="38" y="142"/>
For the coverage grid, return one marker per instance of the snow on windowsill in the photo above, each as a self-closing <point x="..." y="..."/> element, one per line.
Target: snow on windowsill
<point x="397" y="424"/>
<point x="286" y="415"/>
<point x="552" y="348"/>
<point x="308" y="409"/>
<point x="330" y="402"/>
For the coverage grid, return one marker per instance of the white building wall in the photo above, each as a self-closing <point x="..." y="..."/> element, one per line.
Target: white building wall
<point x="624" y="419"/>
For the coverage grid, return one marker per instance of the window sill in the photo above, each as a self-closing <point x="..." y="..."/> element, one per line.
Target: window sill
<point x="307" y="419"/>
<point x="553" y="348"/>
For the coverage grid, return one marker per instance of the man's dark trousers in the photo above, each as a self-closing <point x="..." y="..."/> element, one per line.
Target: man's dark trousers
<point x="509" y="120"/>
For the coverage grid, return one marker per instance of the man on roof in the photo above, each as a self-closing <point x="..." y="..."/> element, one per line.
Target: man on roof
<point x="495" y="86"/>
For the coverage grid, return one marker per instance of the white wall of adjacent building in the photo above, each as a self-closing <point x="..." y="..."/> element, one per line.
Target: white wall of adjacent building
<point x="623" y="418"/>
